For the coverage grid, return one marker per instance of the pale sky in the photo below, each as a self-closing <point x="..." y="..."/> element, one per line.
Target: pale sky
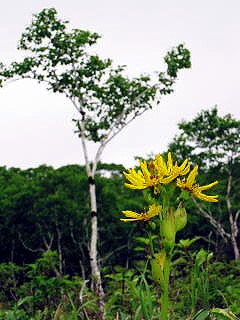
<point x="36" y="126"/>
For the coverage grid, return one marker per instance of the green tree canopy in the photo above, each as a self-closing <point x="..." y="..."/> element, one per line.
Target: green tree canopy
<point x="209" y="139"/>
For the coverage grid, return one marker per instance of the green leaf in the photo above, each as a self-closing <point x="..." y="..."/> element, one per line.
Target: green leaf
<point x="225" y="313"/>
<point x="201" y="315"/>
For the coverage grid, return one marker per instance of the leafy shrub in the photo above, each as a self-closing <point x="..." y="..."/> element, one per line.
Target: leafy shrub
<point x="44" y="292"/>
<point x="129" y="296"/>
<point x="10" y="275"/>
<point x="223" y="289"/>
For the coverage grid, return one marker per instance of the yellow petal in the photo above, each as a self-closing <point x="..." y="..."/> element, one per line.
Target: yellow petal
<point x="169" y="162"/>
<point x="184" y="168"/>
<point x="192" y="176"/>
<point x="145" y="171"/>
<point x="205" y="197"/>
<point x="129" y="220"/>
<point x="131" y="214"/>
<point x="135" y="187"/>
<point x="208" y="186"/>
<point x="153" y="210"/>
<point x="160" y="165"/>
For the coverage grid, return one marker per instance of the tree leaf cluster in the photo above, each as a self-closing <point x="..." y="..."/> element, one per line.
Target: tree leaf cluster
<point x="209" y="139"/>
<point x="105" y="97"/>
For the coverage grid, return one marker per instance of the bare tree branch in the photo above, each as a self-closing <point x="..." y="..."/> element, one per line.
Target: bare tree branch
<point x="216" y="224"/>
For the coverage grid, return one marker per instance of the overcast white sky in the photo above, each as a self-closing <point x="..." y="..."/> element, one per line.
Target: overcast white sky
<point x="36" y="126"/>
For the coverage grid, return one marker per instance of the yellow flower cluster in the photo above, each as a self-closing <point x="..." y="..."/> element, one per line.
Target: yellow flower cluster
<point x="153" y="174"/>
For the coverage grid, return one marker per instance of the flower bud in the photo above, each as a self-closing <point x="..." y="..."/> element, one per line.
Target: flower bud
<point x="180" y="218"/>
<point x="168" y="229"/>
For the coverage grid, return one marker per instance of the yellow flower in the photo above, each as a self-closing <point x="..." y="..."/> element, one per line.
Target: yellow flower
<point x="169" y="172"/>
<point x="140" y="179"/>
<point x="191" y="185"/>
<point x="154" y="173"/>
<point x="145" y="216"/>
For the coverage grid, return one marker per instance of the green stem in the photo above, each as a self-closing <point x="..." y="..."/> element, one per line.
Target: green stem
<point x="165" y="292"/>
<point x="164" y="305"/>
<point x="150" y="243"/>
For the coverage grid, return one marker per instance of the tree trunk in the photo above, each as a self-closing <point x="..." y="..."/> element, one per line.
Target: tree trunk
<point x="90" y="170"/>
<point x="59" y="246"/>
<point x="232" y="221"/>
<point x="96" y="275"/>
<point x="235" y="246"/>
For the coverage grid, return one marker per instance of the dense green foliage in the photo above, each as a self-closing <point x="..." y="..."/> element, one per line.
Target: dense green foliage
<point x="35" y="291"/>
<point x="47" y="209"/>
<point x="41" y="212"/>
